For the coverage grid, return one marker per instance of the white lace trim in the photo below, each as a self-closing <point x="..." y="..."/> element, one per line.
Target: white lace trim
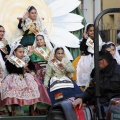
<point x="14" y="87"/>
<point x="84" y="69"/>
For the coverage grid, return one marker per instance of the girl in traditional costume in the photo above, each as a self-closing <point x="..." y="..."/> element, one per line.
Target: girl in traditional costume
<point x="31" y="25"/>
<point x="4" y="50"/>
<point x="58" y="76"/>
<point x="86" y="62"/>
<point x="4" y="46"/>
<point x="110" y="46"/>
<point x="42" y="49"/>
<point x="20" y="87"/>
<point x="3" y="74"/>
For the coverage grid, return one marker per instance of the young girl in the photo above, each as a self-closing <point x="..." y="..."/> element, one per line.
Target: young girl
<point x="4" y="51"/>
<point x="86" y="62"/>
<point x="42" y="49"/>
<point x="31" y="25"/>
<point x="4" y="47"/>
<point x="20" y="87"/>
<point x="58" y="76"/>
<point x="110" y="46"/>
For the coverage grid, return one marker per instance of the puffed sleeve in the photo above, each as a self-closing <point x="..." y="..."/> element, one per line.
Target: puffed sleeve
<point x="31" y="66"/>
<point x="13" y="69"/>
<point x="48" y="75"/>
<point x="19" y="24"/>
<point x="8" y="49"/>
<point x="69" y="68"/>
<point x="83" y="46"/>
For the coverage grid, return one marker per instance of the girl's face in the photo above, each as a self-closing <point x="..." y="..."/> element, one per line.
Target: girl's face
<point x="2" y="32"/>
<point x="33" y="14"/>
<point x="59" y="54"/>
<point x="40" y="41"/>
<point x="90" y="32"/>
<point x="19" y="53"/>
<point x="111" y="49"/>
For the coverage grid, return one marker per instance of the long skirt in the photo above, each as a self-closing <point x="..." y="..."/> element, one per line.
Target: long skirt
<point x="41" y="70"/>
<point x="63" y="93"/>
<point x="27" y="39"/>
<point x="26" y="91"/>
<point x="84" y="69"/>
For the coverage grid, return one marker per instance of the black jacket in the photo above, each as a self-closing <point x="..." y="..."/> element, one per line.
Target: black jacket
<point x="3" y="54"/>
<point x="13" y="69"/>
<point x="109" y="85"/>
<point x="84" y="47"/>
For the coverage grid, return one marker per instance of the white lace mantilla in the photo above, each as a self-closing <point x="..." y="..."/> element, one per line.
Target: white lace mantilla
<point x="84" y="69"/>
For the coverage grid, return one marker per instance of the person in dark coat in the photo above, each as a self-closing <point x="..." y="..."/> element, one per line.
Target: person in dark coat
<point x="109" y="82"/>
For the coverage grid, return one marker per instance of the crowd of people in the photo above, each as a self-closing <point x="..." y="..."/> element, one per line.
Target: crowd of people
<point x="109" y="60"/>
<point x="35" y="73"/>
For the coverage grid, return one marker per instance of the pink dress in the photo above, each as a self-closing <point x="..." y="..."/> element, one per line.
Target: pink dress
<point x="22" y="89"/>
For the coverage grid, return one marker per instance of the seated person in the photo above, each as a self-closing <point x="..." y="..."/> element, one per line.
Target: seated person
<point x="41" y="52"/>
<point x="111" y="47"/>
<point x="109" y="82"/>
<point x="58" y="76"/>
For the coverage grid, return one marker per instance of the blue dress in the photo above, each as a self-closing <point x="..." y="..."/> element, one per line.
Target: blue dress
<point x="67" y="93"/>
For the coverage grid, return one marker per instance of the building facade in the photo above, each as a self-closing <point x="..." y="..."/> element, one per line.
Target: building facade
<point x="110" y="23"/>
<point x="90" y="9"/>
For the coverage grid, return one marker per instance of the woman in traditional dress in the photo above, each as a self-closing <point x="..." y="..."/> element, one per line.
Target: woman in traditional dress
<point x="86" y="62"/>
<point x="42" y="49"/>
<point x="4" y="46"/>
<point x="4" y="50"/>
<point x="20" y="87"/>
<point x="111" y="47"/>
<point x="58" y="76"/>
<point x="31" y="25"/>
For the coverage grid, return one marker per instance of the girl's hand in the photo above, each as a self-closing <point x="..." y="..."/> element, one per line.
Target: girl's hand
<point x="46" y="87"/>
<point x="61" y="66"/>
<point x="25" y="16"/>
<point x="33" y="73"/>
<point x="85" y="35"/>
<point x="26" y="65"/>
<point x="6" y="56"/>
<point x="31" y="49"/>
<point x="46" y="58"/>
